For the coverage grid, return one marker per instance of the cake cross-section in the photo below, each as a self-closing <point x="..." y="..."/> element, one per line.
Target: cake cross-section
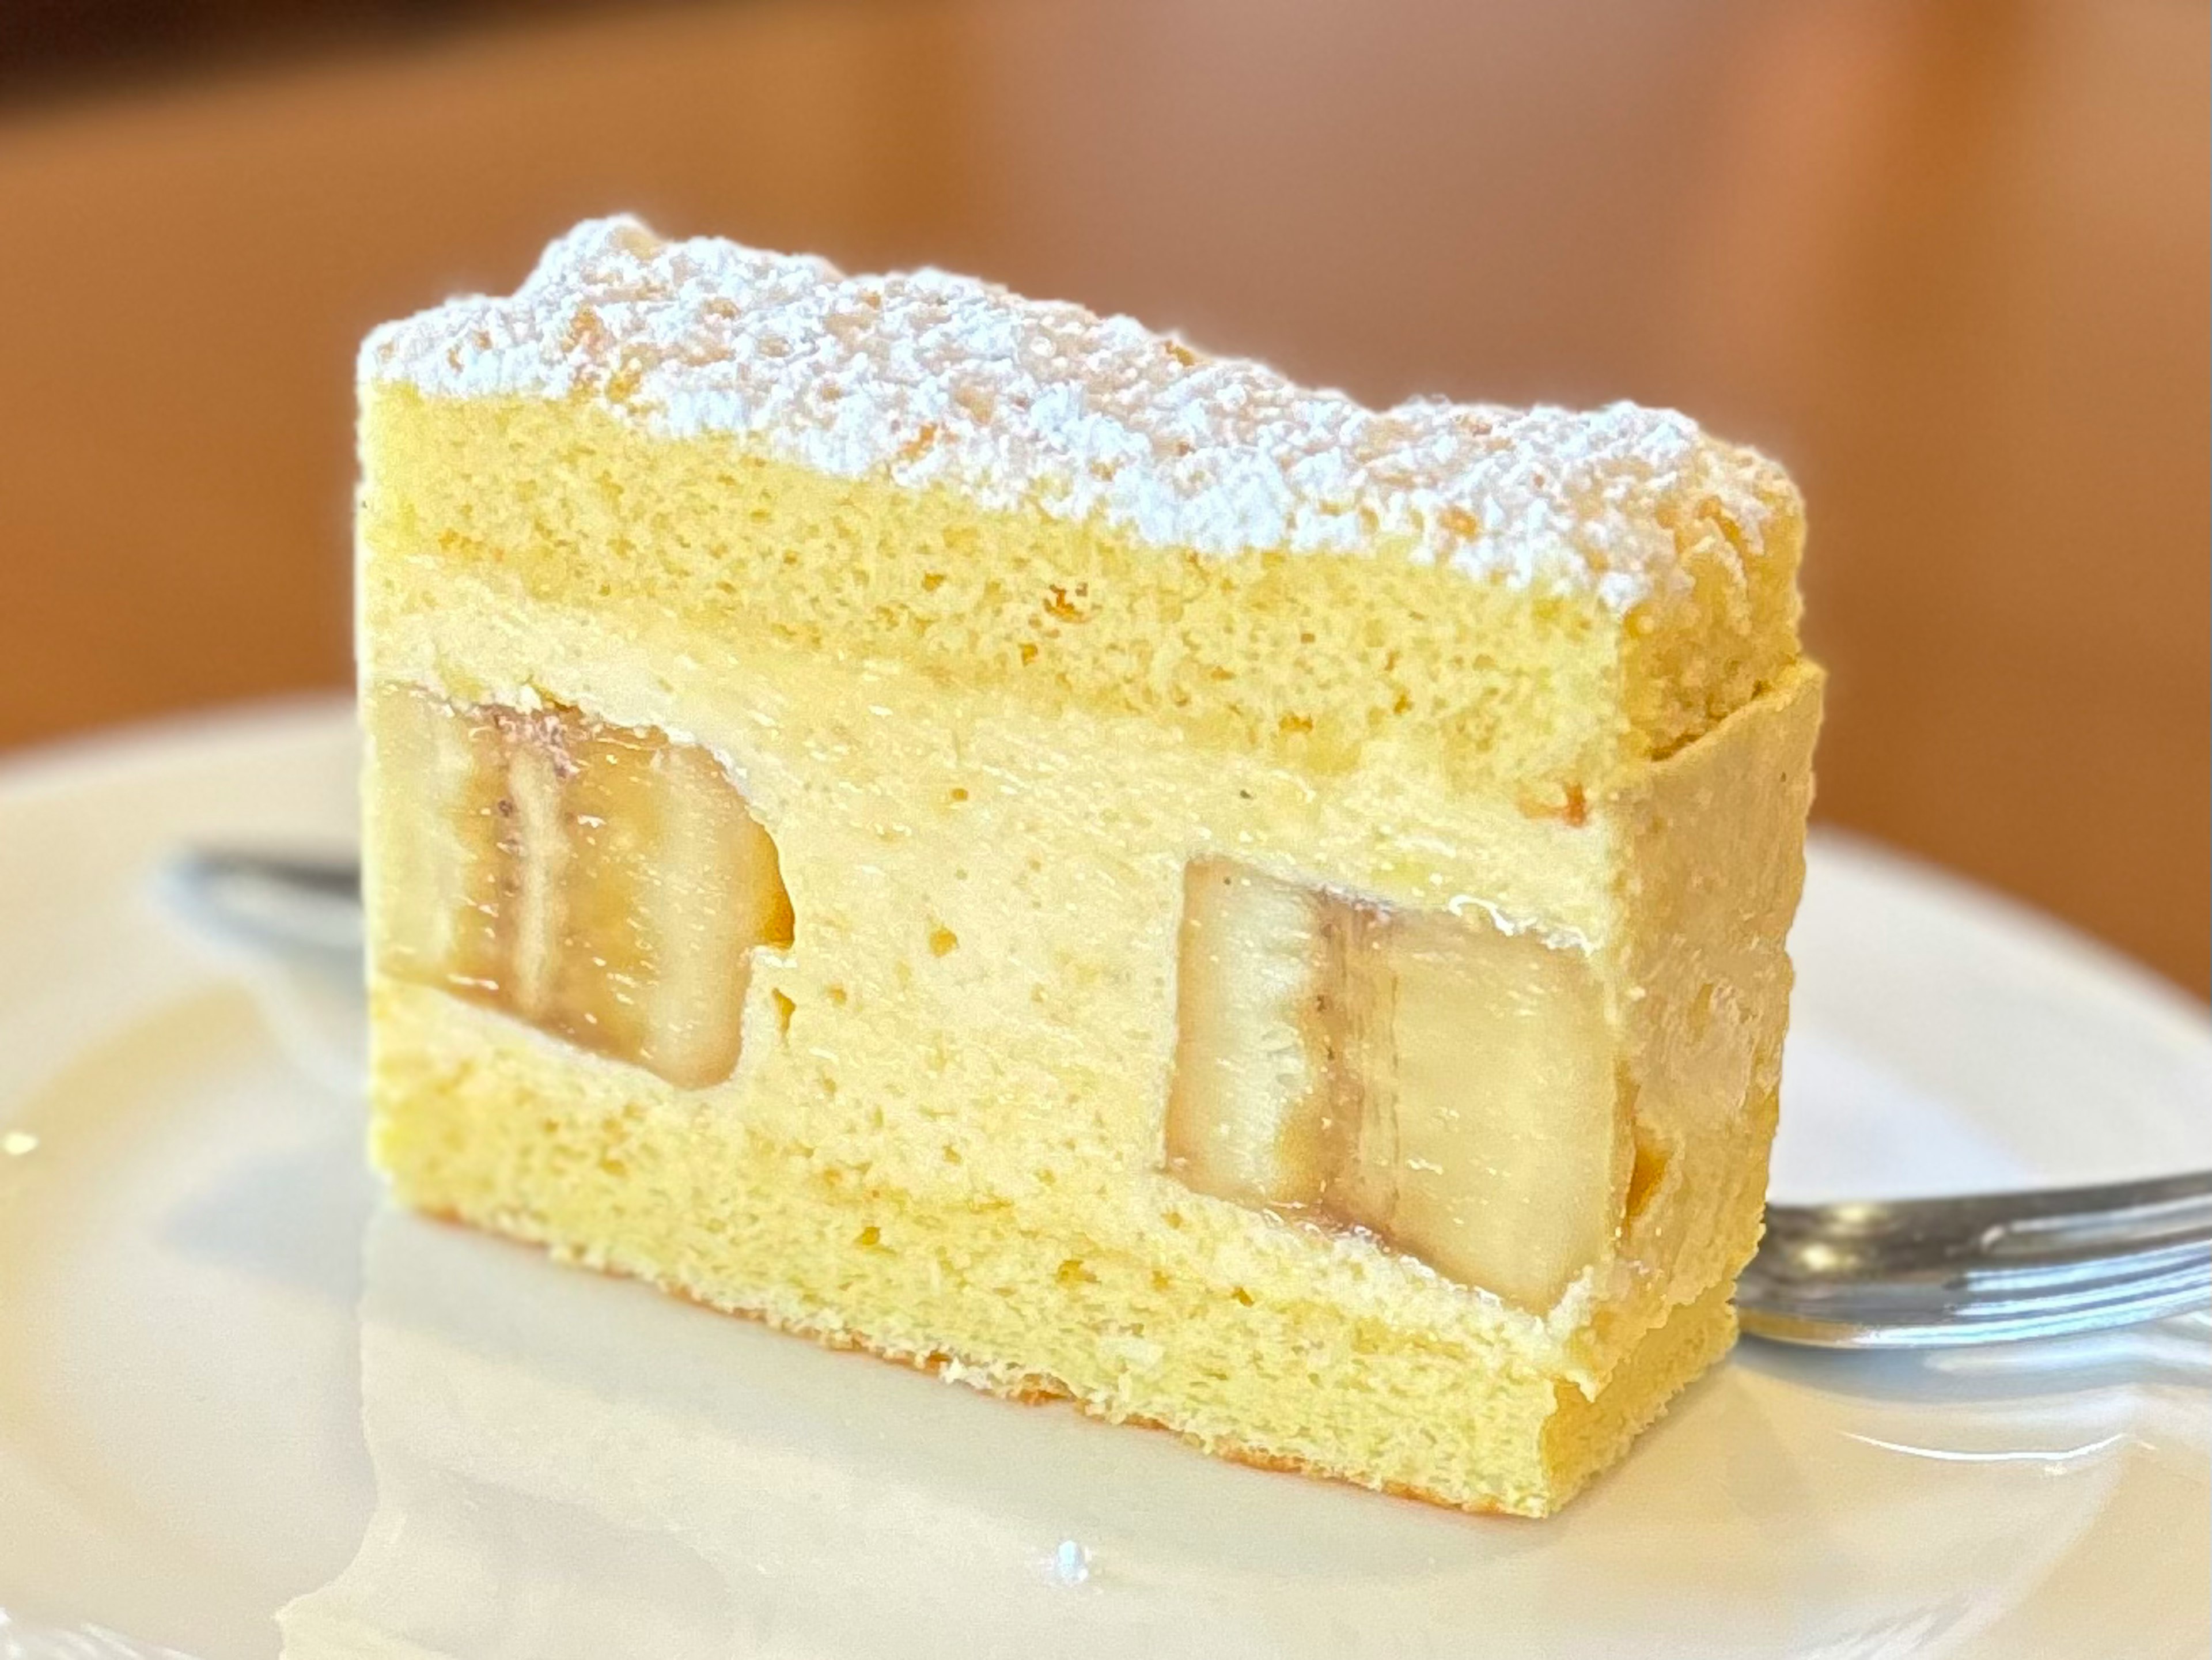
<point x="970" y="830"/>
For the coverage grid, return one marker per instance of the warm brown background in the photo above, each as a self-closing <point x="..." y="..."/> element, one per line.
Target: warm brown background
<point x="1948" y="260"/>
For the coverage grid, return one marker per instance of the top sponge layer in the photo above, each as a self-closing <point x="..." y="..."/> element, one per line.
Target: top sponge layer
<point x="927" y="379"/>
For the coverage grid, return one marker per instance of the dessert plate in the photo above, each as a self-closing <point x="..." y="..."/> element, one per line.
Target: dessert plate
<point x="232" y="1384"/>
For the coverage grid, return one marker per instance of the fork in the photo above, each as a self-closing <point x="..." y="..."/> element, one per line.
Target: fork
<point x="1993" y="1267"/>
<point x="1907" y="1274"/>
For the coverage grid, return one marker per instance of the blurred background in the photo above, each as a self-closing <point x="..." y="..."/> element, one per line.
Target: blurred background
<point x="1948" y="259"/>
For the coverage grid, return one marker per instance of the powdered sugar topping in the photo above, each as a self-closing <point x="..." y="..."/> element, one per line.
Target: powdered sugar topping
<point x="931" y="379"/>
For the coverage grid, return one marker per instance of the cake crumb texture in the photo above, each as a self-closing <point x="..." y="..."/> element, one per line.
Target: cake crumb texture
<point x="616" y="1171"/>
<point x="929" y="378"/>
<point x="925" y="650"/>
<point x="1672" y="554"/>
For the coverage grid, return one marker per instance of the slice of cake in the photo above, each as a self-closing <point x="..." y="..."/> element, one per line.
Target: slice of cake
<point x="972" y="831"/>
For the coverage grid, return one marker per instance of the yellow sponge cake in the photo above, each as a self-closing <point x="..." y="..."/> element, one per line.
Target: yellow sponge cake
<point x="969" y="830"/>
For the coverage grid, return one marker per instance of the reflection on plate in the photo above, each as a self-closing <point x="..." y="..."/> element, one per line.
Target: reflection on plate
<point x="435" y="1443"/>
<point x="567" y="1466"/>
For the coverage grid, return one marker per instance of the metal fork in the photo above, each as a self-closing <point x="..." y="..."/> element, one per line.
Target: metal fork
<point x="1982" y="1268"/>
<point x="1908" y="1274"/>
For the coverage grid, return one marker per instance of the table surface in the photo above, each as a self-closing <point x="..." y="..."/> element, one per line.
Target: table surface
<point x="1949" y="262"/>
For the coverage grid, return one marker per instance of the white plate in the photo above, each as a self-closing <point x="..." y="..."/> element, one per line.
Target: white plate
<point x="214" y="1399"/>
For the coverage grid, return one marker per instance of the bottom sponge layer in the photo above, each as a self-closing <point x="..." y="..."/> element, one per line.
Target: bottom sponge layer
<point x="483" y="1118"/>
